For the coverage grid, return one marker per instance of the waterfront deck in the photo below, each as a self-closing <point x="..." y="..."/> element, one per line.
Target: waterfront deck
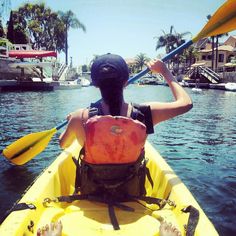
<point x="220" y="86"/>
<point x="14" y="85"/>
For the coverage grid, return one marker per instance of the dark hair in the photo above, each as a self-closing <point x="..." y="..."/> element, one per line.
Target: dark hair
<point x="110" y="72"/>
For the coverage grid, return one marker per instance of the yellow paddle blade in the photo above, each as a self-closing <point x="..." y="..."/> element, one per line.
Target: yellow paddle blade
<point x="223" y="21"/>
<point x="27" y="147"/>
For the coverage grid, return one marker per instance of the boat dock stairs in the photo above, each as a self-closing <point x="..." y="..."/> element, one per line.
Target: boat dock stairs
<point x="203" y="73"/>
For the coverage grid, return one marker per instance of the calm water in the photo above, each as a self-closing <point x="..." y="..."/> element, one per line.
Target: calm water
<point x="200" y="145"/>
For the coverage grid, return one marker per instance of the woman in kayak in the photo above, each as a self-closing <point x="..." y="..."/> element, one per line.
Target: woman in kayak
<point x="110" y="74"/>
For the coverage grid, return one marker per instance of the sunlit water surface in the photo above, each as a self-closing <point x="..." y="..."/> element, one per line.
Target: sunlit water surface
<point x="200" y="145"/>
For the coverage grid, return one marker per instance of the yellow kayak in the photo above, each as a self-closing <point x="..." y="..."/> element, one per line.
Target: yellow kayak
<point x="84" y="217"/>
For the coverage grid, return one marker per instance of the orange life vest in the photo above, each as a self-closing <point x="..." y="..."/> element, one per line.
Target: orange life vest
<point x="113" y="140"/>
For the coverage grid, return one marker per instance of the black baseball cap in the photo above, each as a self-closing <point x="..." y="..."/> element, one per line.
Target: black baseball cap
<point x="109" y="67"/>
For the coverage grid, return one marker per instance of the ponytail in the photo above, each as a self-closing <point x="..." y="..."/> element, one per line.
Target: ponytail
<point x="112" y="95"/>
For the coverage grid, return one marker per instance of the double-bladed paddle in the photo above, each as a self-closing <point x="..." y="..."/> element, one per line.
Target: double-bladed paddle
<point x="29" y="146"/>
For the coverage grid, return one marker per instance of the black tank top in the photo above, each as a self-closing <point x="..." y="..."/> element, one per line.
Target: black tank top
<point x="141" y="113"/>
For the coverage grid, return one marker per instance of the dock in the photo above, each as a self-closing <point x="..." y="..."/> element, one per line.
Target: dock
<point x="14" y="85"/>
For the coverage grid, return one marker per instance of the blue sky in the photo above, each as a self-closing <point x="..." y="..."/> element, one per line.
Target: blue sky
<point x="128" y="27"/>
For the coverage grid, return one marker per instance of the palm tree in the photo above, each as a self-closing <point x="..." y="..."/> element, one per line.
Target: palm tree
<point x="167" y="40"/>
<point x="170" y="41"/>
<point x="70" y="21"/>
<point x="189" y="56"/>
<point x="212" y="47"/>
<point x="140" y="60"/>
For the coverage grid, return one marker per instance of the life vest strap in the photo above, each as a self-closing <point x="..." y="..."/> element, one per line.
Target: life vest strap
<point x="192" y="220"/>
<point x="113" y="217"/>
<point x="18" y="207"/>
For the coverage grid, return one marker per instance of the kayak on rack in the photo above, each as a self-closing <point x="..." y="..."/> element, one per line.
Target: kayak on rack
<point x="40" y="206"/>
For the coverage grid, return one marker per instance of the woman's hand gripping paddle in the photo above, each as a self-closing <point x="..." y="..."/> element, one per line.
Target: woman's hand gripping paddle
<point x="27" y="147"/>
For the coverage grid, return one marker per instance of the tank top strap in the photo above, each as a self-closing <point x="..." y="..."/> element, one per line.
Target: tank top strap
<point x="143" y="113"/>
<point x="95" y="109"/>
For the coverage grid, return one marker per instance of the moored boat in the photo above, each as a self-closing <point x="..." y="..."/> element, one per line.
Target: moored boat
<point x="13" y="85"/>
<point x="20" y="64"/>
<point x="28" y="64"/>
<point x="230" y="86"/>
<point x="83" y="217"/>
<point x="64" y="85"/>
<point x="196" y="90"/>
<point x="84" y="82"/>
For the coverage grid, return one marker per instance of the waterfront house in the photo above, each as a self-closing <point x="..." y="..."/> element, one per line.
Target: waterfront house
<point x="131" y="62"/>
<point x="226" y="62"/>
<point x="226" y="52"/>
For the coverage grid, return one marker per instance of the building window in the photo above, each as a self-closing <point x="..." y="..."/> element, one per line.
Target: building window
<point x="221" y="58"/>
<point x="230" y="58"/>
<point x="209" y="57"/>
<point x="204" y="57"/>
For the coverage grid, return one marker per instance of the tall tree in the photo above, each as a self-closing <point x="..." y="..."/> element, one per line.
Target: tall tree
<point x="70" y="21"/>
<point x="166" y="40"/>
<point x="43" y="25"/>
<point x="44" y="28"/>
<point x="189" y="55"/>
<point x="140" y="60"/>
<point x="1" y="29"/>
<point x="16" y="31"/>
<point x="170" y="41"/>
<point x="212" y="47"/>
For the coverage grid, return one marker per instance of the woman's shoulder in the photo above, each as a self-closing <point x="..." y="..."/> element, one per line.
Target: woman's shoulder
<point x="79" y="115"/>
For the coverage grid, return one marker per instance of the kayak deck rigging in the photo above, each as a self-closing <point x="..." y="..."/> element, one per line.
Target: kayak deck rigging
<point x="83" y="217"/>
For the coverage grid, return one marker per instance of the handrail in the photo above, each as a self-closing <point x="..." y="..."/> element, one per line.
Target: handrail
<point x="190" y="72"/>
<point x="210" y="73"/>
<point x="205" y="71"/>
<point x="61" y="70"/>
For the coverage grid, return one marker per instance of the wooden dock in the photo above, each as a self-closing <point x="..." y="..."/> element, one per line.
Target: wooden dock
<point x="14" y="85"/>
